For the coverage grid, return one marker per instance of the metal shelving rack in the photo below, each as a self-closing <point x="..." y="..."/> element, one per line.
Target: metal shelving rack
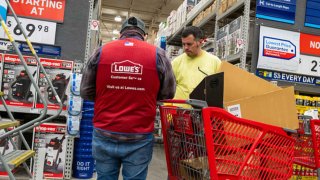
<point x="239" y="5"/>
<point x="175" y="38"/>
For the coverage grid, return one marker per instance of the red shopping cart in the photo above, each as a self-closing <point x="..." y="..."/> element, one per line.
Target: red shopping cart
<point x="210" y="143"/>
<point x="307" y="146"/>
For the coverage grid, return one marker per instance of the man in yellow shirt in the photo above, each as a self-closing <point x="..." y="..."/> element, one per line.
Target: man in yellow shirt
<point x="191" y="67"/>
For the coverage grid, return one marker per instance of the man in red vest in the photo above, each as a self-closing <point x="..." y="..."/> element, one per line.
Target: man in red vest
<point x="125" y="78"/>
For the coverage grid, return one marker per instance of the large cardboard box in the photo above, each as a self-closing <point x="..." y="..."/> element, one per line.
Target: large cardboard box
<point x="256" y="99"/>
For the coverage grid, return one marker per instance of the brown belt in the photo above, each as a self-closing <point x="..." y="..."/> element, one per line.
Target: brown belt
<point x="121" y="137"/>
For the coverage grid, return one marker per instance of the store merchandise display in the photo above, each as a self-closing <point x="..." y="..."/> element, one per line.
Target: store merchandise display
<point x="59" y="72"/>
<point x="50" y="139"/>
<point x="222" y="42"/>
<point x="83" y="163"/>
<point x="305" y="103"/>
<point x="16" y="84"/>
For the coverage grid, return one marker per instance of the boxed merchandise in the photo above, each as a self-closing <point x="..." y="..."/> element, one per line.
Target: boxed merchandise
<point x="16" y="84"/>
<point x="258" y="99"/>
<point x="223" y="6"/>
<point x="59" y="72"/>
<point x="49" y="137"/>
<point x="222" y="42"/>
<point x="234" y="36"/>
<point x="231" y="3"/>
<point x="196" y="168"/>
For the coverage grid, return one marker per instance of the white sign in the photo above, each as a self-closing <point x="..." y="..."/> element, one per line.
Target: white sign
<point x="279" y="50"/>
<point x="235" y="110"/>
<point x="94" y="25"/>
<point x="42" y="32"/>
<point x="5" y="45"/>
<point x="309" y="65"/>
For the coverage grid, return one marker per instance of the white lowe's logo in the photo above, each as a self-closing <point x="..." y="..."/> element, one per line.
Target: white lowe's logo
<point x="127" y="67"/>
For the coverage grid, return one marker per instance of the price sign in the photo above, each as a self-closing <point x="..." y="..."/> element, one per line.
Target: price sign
<point x="37" y="31"/>
<point x="309" y="65"/>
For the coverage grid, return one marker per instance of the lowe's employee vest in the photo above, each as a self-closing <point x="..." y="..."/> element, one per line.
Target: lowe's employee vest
<point x="127" y="86"/>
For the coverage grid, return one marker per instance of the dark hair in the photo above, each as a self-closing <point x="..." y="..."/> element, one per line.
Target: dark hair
<point x="193" y="30"/>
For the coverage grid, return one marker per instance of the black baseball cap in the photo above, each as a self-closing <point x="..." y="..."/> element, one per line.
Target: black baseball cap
<point x="133" y="22"/>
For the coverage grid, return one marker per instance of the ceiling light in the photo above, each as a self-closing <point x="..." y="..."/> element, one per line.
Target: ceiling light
<point x="118" y="19"/>
<point x="115" y="32"/>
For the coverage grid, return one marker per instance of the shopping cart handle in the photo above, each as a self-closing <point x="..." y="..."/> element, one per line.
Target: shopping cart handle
<point x="192" y="102"/>
<point x="290" y="131"/>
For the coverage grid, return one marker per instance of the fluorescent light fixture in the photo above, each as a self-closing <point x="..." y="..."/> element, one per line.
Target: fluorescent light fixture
<point x="115" y="32"/>
<point x="118" y="19"/>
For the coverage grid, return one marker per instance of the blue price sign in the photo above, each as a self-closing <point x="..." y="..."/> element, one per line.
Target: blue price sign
<point x="313" y="14"/>
<point x="277" y="10"/>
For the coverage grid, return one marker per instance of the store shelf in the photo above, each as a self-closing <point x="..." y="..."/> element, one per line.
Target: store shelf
<point x="234" y="57"/>
<point x="231" y="10"/>
<point x="304" y="88"/>
<point x="31" y="111"/>
<point x="175" y="38"/>
<point x="206" y="19"/>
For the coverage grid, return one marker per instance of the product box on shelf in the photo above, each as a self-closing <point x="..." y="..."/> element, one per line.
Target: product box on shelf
<point x="16" y="84"/>
<point x="59" y="72"/>
<point x="231" y="3"/>
<point x="222" y="42"/>
<point x="234" y="36"/>
<point x="50" y="137"/>
<point x="223" y="6"/>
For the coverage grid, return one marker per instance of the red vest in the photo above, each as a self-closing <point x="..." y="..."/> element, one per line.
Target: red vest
<point x="127" y="86"/>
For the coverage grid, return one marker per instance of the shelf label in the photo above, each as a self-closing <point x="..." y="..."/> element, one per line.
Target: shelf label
<point x="277" y="10"/>
<point x="288" y="77"/>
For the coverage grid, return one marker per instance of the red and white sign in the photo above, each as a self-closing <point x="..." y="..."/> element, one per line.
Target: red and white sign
<point x="310" y="44"/>
<point x="58" y="64"/>
<point x="51" y="10"/>
<point x="51" y="128"/>
<point x="126" y="67"/>
<point x="279" y="50"/>
<point x="94" y="25"/>
<point x="14" y="59"/>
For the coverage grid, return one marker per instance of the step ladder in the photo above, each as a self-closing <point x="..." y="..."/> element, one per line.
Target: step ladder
<point x="18" y="157"/>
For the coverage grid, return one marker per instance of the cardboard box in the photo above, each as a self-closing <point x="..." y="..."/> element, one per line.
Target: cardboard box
<point x="16" y="84"/>
<point x="231" y="3"/>
<point x="223" y="7"/>
<point x="194" y="169"/>
<point x="59" y="72"/>
<point x="257" y="99"/>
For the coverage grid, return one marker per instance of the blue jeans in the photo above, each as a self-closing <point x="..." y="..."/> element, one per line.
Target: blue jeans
<point x="110" y="154"/>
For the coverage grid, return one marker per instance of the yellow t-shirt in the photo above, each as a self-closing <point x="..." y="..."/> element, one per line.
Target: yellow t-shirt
<point x="188" y="73"/>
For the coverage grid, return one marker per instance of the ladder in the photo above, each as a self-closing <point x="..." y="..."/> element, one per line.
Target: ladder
<point x="18" y="157"/>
